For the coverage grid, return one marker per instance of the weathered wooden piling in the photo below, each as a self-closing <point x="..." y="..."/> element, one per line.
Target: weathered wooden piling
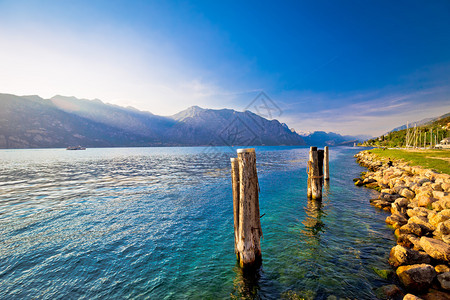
<point x="235" y="186"/>
<point x="326" y="166"/>
<point x="320" y="155"/>
<point x="247" y="225"/>
<point x="314" y="178"/>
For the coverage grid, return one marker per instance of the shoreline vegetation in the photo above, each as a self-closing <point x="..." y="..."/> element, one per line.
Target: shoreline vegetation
<point x="418" y="199"/>
<point x="434" y="159"/>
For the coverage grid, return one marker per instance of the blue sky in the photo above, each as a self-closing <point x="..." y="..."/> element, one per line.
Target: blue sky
<point x="351" y="67"/>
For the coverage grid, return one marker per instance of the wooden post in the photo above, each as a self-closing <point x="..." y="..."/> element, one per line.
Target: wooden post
<point x="320" y="155"/>
<point x="326" y="166"/>
<point x="248" y="225"/>
<point x="235" y="186"/>
<point x="314" y="178"/>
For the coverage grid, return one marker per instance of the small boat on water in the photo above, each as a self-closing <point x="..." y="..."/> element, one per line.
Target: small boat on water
<point x="75" y="148"/>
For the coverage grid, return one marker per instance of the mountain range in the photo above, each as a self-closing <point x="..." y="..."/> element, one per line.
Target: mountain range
<point x="34" y="122"/>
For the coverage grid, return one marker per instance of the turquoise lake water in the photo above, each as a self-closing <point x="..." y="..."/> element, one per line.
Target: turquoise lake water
<point x="157" y="223"/>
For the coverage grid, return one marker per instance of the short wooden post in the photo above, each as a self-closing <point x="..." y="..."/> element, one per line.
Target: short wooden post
<point x="248" y="226"/>
<point x="314" y="178"/>
<point x="235" y="186"/>
<point x="326" y="166"/>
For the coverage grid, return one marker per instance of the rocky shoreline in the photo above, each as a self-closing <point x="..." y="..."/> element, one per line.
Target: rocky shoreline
<point x="419" y="202"/>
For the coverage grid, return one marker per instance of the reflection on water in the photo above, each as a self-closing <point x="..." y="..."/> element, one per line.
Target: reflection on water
<point x="246" y="283"/>
<point x="158" y="223"/>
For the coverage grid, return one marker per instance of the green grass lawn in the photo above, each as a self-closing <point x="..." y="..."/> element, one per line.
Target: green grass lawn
<point x="438" y="160"/>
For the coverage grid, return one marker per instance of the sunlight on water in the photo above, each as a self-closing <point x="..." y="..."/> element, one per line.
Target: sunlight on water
<point x="157" y="223"/>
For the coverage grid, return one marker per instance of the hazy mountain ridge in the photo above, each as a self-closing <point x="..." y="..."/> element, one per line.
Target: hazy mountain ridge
<point x="34" y="122"/>
<point x="422" y="122"/>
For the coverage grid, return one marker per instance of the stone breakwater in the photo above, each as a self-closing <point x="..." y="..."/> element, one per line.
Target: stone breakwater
<point x="419" y="202"/>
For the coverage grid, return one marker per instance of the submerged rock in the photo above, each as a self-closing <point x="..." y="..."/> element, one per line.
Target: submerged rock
<point x="416" y="277"/>
<point x="389" y="292"/>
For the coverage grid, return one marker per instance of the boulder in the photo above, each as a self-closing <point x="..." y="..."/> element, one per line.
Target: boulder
<point x="403" y="240"/>
<point x="437" y="186"/>
<point x="422" y="222"/>
<point x="387" y="191"/>
<point x="411" y="297"/>
<point x="446" y="213"/>
<point x="407" y="193"/>
<point x="388" y="292"/>
<point x="445" y="238"/>
<point x="425" y="201"/>
<point x="435" y="248"/>
<point x="444" y="280"/>
<point x="411" y="228"/>
<point x="409" y="241"/>
<point x="397" y="209"/>
<point x="436" y="295"/>
<point x="439" y="194"/>
<point x="437" y="218"/>
<point x="402" y="202"/>
<point x="359" y="183"/>
<point x="439" y="205"/>
<point x="442" y="228"/>
<point x="417" y="211"/>
<point x="381" y="204"/>
<point x="445" y="187"/>
<point x="400" y="255"/>
<point x="396" y="220"/>
<point x="399" y="186"/>
<point x="441" y="269"/>
<point x="416" y="277"/>
<point x="421" y="181"/>
<point x="368" y="180"/>
<point x="373" y="185"/>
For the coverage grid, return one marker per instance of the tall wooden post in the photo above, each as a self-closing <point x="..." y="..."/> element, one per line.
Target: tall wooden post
<point x="320" y="155"/>
<point x="235" y="186"/>
<point x="247" y="223"/>
<point x="326" y="167"/>
<point x="314" y="178"/>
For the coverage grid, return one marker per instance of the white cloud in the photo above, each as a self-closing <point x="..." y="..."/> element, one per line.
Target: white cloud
<point x="374" y="114"/>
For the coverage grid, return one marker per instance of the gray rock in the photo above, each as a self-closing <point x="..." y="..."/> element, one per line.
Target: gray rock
<point x="444" y="280"/>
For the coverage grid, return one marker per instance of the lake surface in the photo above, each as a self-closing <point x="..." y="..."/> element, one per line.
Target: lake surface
<point x="157" y="223"/>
